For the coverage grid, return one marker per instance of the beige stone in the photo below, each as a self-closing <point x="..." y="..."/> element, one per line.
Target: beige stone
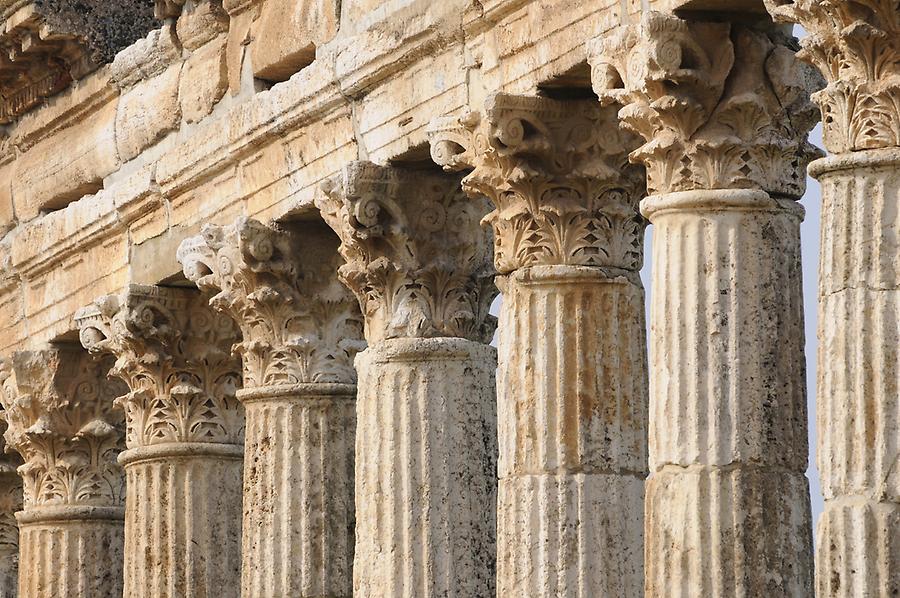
<point x="203" y="80"/>
<point x="10" y="504"/>
<point x="184" y="438"/>
<point x="46" y="178"/>
<point x="301" y="25"/>
<point x="301" y="329"/>
<point x="426" y="418"/>
<point x="58" y="403"/>
<point x="7" y="213"/>
<point x="147" y="112"/>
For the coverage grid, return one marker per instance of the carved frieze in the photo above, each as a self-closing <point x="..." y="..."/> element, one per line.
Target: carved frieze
<point x="59" y="405"/>
<point x="416" y="256"/>
<point x="855" y="44"/>
<point x="557" y="173"/>
<point x="47" y="44"/>
<point x="299" y="323"/>
<point x="175" y="354"/>
<point x="720" y="106"/>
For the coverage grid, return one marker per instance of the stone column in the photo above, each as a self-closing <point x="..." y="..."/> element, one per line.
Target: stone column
<point x="856" y="45"/>
<point x="426" y="420"/>
<point x="184" y="439"/>
<point x="301" y="329"/>
<point x="62" y="420"/>
<point x="10" y="504"/>
<point x="725" y="113"/>
<point x="572" y="379"/>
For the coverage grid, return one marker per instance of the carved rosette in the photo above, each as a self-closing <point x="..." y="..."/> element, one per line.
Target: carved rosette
<point x="856" y="46"/>
<point x="720" y="106"/>
<point x="58" y="403"/>
<point x="416" y="257"/>
<point x="299" y="323"/>
<point x="174" y="353"/>
<point x="558" y="176"/>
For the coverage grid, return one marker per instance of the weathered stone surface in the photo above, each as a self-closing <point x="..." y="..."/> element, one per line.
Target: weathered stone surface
<point x="425" y="468"/>
<point x="302" y="25"/>
<point x="10" y="504"/>
<point x="301" y="330"/>
<point x="58" y="403"/>
<point x="48" y="179"/>
<point x="147" y="112"/>
<point x="184" y="438"/>
<point x="572" y="387"/>
<point x="203" y="81"/>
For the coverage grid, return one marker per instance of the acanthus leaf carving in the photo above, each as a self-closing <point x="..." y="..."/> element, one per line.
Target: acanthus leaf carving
<point x="299" y="323"/>
<point x="855" y="44"/>
<point x="59" y="406"/>
<point x="416" y="256"/>
<point x="558" y="176"/>
<point x="175" y="355"/>
<point x="719" y="106"/>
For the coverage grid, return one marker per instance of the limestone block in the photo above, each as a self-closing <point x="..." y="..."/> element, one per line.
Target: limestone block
<point x="299" y="28"/>
<point x="7" y="214"/>
<point x="203" y="80"/>
<point x="147" y="112"/>
<point x="47" y="178"/>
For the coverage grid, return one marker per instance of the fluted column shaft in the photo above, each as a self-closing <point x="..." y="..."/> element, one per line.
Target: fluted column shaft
<point x="855" y="46"/>
<point x="298" y="490"/>
<point x="572" y="413"/>
<point x="181" y="512"/>
<point x="301" y="329"/>
<point x="727" y="491"/>
<point x="572" y="375"/>
<point x="426" y="455"/>
<point x="858" y="540"/>
<point x="184" y="439"/>
<point x="725" y="112"/>
<point x="426" y="436"/>
<point x="68" y="551"/>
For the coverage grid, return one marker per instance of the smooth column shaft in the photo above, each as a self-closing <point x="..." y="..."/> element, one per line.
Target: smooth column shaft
<point x="573" y="433"/>
<point x="70" y="552"/>
<point x="425" y="470"/>
<point x="858" y="538"/>
<point x="183" y="520"/>
<point x="728" y="510"/>
<point x="298" y="491"/>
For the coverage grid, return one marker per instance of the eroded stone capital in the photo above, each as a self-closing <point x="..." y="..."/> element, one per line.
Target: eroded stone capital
<point x="416" y="256"/>
<point x="720" y="106"/>
<point x="175" y="354"/>
<point x="299" y="323"/>
<point x="557" y="173"/>
<point x="59" y="406"/>
<point x="856" y="45"/>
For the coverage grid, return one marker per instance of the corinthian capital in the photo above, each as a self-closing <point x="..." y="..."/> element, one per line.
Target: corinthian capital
<point x="558" y="176"/>
<point x="415" y="255"/>
<point x="299" y="323"/>
<point x="174" y="353"/>
<point x="856" y="45"/>
<point x="720" y="106"/>
<point x="59" y="406"/>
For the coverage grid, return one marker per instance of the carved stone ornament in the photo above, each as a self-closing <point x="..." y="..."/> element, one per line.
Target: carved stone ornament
<point x="856" y="45"/>
<point x="299" y="323"/>
<point x="720" y="106"/>
<point x="416" y="256"/>
<point x="558" y="176"/>
<point x="174" y="352"/>
<point x="59" y="404"/>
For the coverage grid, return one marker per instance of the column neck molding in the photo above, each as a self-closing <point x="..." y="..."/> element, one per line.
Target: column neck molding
<point x="719" y="106"/>
<point x="59" y="406"/>
<point x="299" y="324"/>
<point x="416" y="257"/>
<point x="558" y="176"/>
<point x="174" y="353"/>
<point x="856" y="46"/>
